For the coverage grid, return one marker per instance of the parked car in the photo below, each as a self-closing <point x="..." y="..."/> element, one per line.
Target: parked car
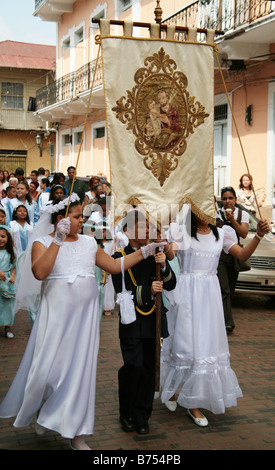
<point x="261" y="277"/>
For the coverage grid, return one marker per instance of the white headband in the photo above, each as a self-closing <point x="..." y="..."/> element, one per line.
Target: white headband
<point x="51" y="208"/>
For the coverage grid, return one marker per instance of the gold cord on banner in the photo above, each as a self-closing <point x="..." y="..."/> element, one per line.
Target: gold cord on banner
<point x="234" y="120"/>
<point x="84" y="126"/>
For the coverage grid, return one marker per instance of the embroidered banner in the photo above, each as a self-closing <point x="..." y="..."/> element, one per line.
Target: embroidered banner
<point x="159" y="102"/>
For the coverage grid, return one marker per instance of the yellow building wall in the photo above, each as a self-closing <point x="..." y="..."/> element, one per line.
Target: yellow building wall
<point x="253" y="137"/>
<point x="23" y="141"/>
<point x="98" y="147"/>
<point x="32" y="81"/>
<point x="20" y="126"/>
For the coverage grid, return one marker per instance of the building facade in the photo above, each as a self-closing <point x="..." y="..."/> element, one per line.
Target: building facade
<point x="244" y="110"/>
<point x="24" y="68"/>
<point x="65" y="101"/>
<point x="244" y="135"/>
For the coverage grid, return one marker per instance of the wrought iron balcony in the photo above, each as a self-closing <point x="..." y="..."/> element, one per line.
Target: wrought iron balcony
<point x="38" y="3"/>
<point x="52" y="10"/>
<point x="226" y="15"/>
<point x="70" y="86"/>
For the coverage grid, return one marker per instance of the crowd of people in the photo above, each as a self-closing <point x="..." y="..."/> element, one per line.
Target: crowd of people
<point x="22" y="199"/>
<point x="56" y="380"/>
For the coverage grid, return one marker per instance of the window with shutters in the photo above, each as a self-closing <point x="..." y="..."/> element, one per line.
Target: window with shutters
<point x="12" y="95"/>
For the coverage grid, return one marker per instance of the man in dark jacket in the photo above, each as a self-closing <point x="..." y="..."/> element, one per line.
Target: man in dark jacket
<point x="79" y="186"/>
<point x="136" y="377"/>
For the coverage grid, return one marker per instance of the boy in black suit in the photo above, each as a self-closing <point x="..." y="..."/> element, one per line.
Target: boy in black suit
<point x="136" y="377"/>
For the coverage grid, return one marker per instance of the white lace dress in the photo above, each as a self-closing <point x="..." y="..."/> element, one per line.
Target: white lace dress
<point x="195" y="359"/>
<point x="57" y="374"/>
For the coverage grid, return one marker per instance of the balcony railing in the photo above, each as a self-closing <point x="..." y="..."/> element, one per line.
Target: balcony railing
<point x="38" y="3"/>
<point x="70" y="86"/>
<point x="18" y="119"/>
<point x="225" y="15"/>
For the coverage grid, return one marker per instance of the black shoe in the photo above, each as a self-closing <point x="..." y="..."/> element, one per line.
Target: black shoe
<point x="229" y="329"/>
<point x="127" y="424"/>
<point x="142" y="428"/>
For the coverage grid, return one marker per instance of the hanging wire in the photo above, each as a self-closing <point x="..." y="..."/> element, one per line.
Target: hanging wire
<point x="84" y="126"/>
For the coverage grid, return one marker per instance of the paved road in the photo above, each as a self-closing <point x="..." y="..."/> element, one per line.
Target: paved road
<point x="249" y="426"/>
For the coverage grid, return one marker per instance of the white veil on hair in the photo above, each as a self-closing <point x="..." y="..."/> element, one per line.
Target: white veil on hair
<point x="27" y="286"/>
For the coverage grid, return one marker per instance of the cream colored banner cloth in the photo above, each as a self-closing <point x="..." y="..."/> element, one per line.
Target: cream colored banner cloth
<point x="159" y="102"/>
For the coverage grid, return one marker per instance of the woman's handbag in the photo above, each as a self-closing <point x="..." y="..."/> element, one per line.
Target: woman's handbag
<point x="241" y="266"/>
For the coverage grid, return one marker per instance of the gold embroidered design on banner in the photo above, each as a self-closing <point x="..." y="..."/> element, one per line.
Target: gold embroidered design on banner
<point x="161" y="114"/>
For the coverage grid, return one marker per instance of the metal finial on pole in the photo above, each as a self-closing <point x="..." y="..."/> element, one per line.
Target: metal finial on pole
<point x="158" y="12"/>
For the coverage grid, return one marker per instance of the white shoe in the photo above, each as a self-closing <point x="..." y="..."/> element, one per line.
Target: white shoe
<point x="203" y="422"/>
<point x="9" y="335"/>
<point x="71" y="445"/>
<point x="40" y="430"/>
<point x="80" y="446"/>
<point x="171" y="405"/>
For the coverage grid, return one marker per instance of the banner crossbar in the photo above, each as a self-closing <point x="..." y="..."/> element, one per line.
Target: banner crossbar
<point x="162" y="26"/>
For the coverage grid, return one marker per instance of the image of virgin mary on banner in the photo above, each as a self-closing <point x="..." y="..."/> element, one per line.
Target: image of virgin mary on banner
<point x="159" y="101"/>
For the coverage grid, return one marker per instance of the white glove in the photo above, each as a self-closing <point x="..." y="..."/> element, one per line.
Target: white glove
<point x="175" y="235"/>
<point x="62" y="230"/>
<point x="149" y="250"/>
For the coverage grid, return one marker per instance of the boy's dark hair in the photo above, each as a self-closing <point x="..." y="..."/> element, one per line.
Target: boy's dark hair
<point x="19" y="171"/>
<point x="46" y="181"/>
<point x="9" y="188"/>
<point x="132" y="218"/>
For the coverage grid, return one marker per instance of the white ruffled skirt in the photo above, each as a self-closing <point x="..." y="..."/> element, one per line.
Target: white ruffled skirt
<point x="195" y="359"/>
<point x="57" y="375"/>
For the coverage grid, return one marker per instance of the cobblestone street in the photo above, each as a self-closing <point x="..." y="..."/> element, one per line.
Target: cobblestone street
<point x="250" y="426"/>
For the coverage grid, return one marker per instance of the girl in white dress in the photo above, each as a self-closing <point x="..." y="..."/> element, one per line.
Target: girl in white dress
<point x="23" y="197"/>
<point x="195" y="360"/>
<point x="21" y="228"/>
<point x="56" y="378"/>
